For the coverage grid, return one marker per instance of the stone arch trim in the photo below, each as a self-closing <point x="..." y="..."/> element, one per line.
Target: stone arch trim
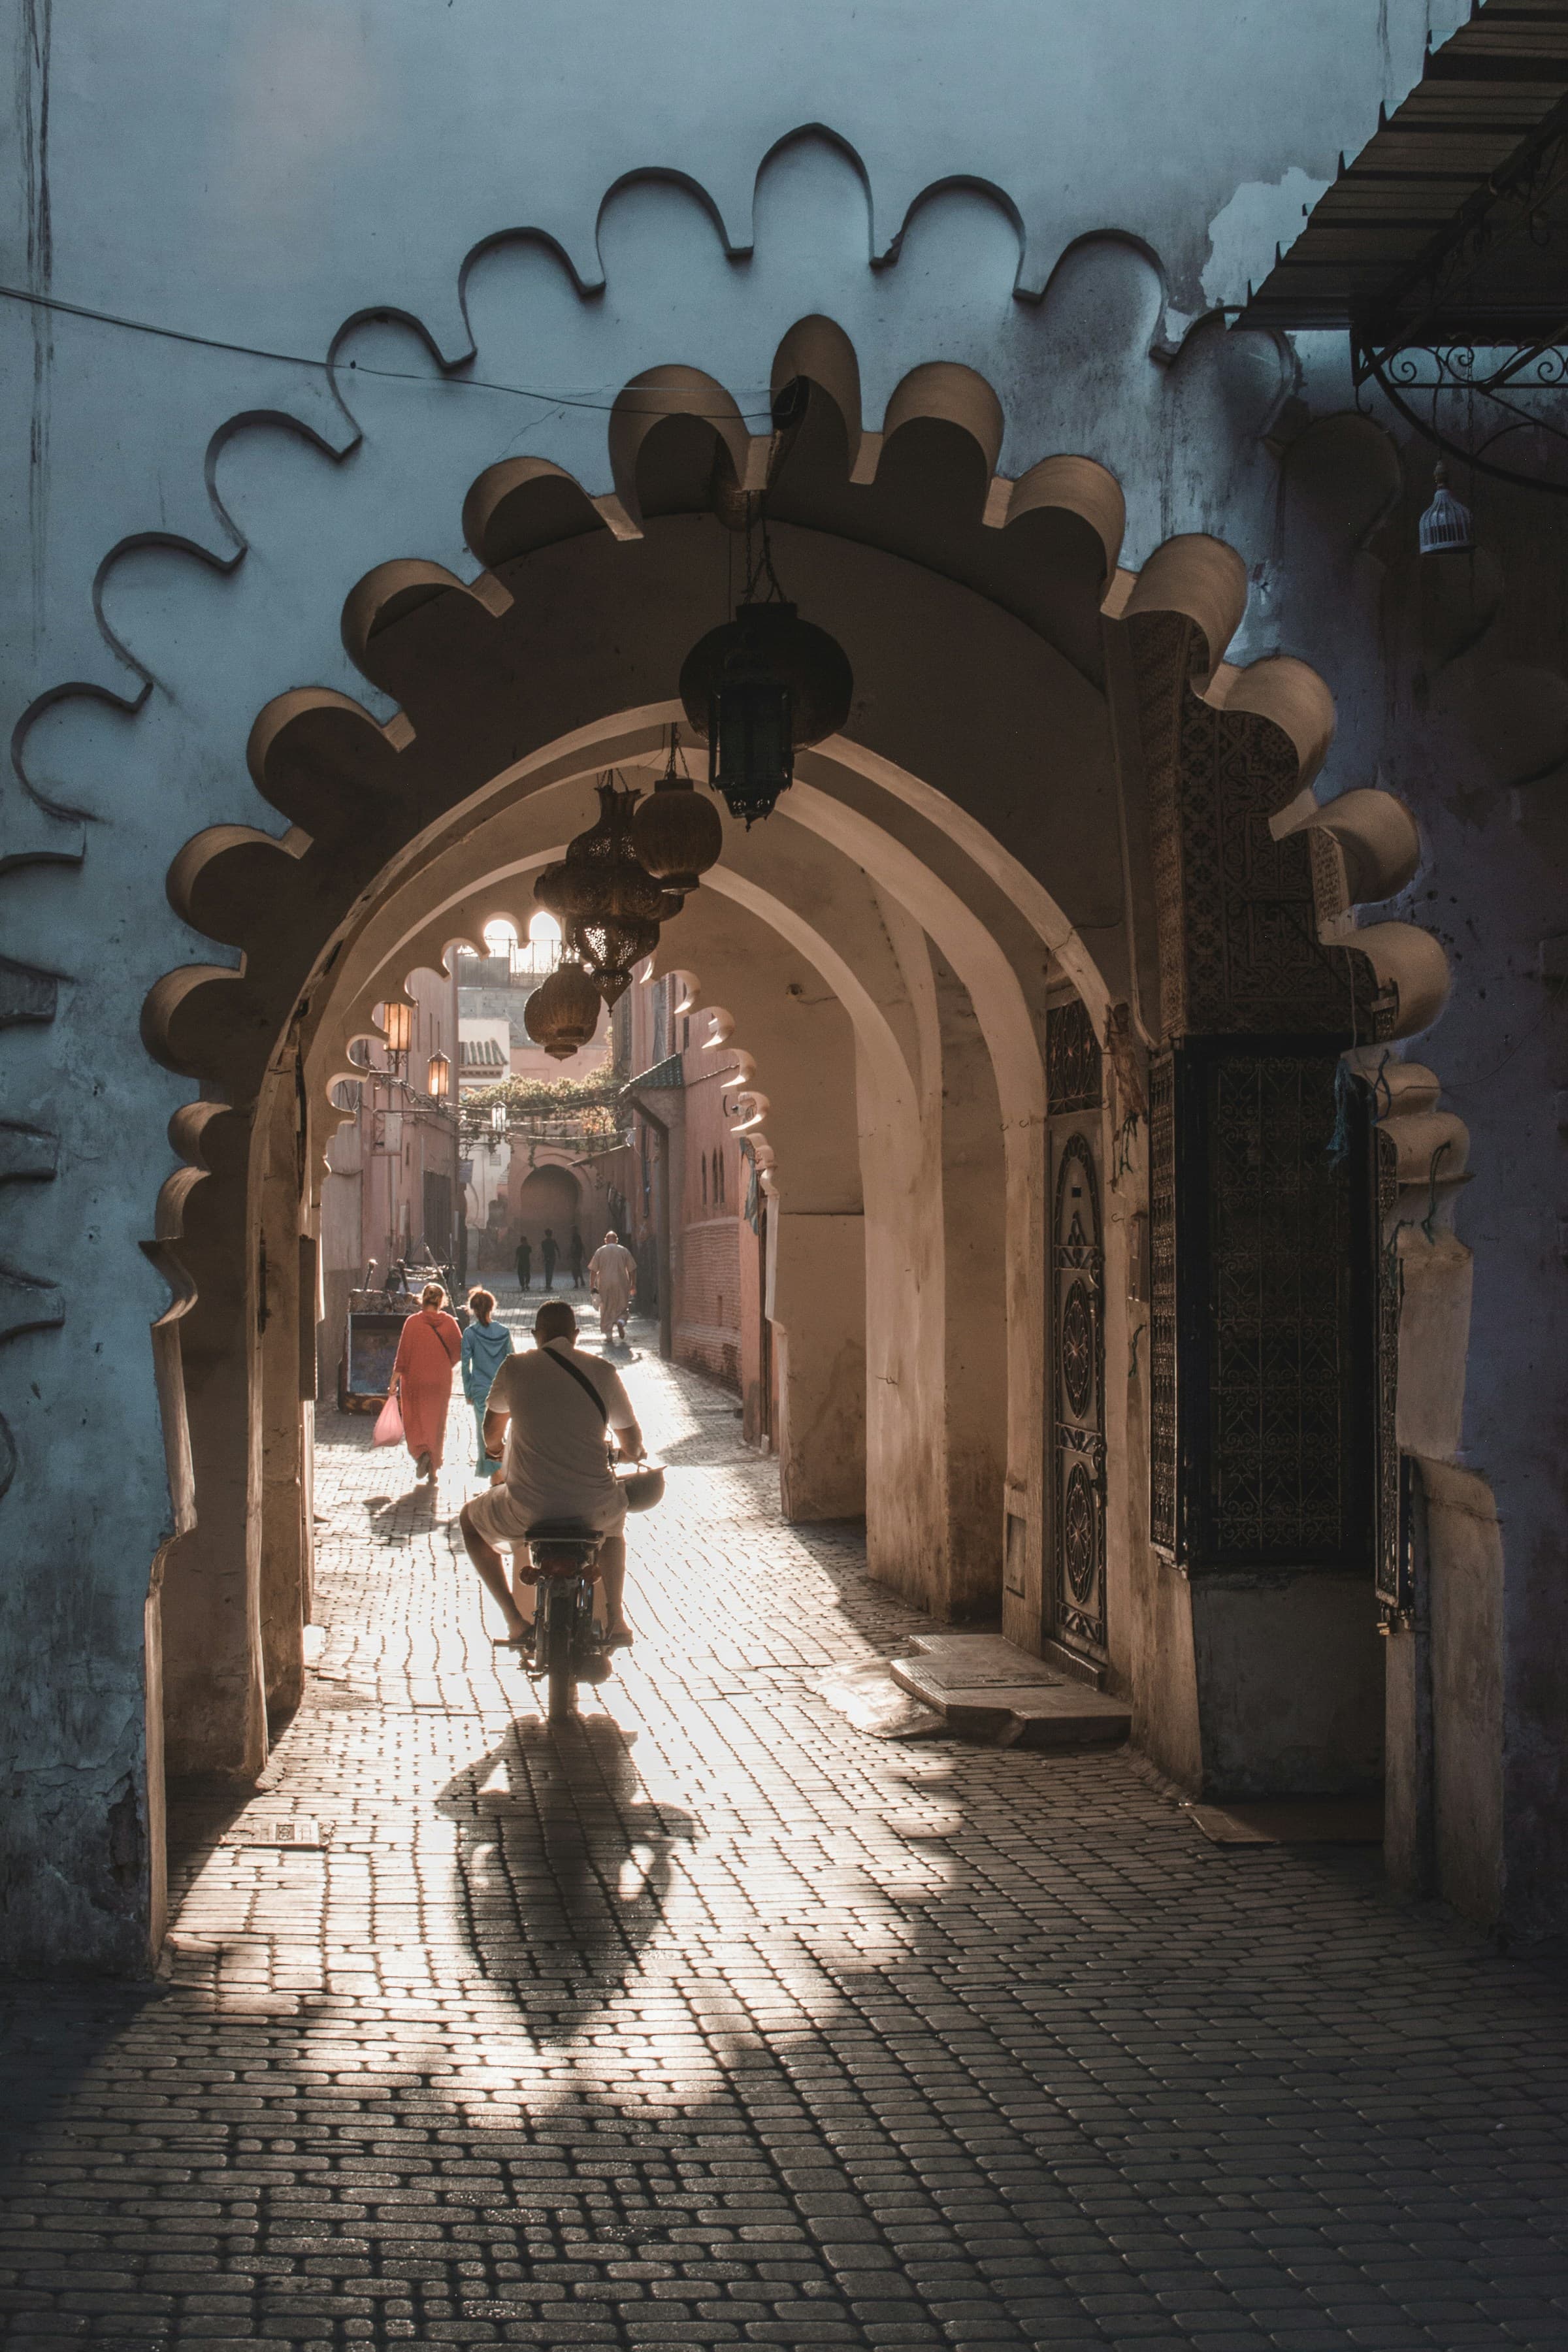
<point x="358" y="794"/>
<point x="365" y="801"/>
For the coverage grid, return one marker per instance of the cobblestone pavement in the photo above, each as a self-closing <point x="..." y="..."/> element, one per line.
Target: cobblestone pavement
<point x="717" y="2023"/>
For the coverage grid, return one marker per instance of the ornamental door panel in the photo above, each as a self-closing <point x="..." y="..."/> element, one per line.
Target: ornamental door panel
<point x="1263" y="1207"/>
<point x="1078" y="1306"/>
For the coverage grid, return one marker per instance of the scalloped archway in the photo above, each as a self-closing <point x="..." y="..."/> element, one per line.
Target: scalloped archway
<point x="1051" y="794"/>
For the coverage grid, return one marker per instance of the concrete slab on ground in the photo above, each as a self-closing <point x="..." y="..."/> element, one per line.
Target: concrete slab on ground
<point x="1293" y="1821"/>
<point x="987" y="1688"/>
<point x="870" y="1696"/>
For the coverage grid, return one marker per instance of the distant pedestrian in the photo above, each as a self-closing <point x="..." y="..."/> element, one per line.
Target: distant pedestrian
<point x="549" y="1253"/>
<point x="485" y="1347"/>
<point x="524" y="1263"/>
<point x="426" y="1352"/>
<point x="576" y="1255"/>
<point x="613" y="1271"/>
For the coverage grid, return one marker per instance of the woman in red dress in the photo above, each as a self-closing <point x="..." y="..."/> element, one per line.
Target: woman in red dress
<point x="430" y="1346"/>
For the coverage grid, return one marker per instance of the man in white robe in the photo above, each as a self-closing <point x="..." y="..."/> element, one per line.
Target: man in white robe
<point x="612" y="1276"/>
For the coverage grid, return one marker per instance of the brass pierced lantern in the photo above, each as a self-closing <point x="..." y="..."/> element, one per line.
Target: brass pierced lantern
<point x="608" y="906"/>
<point x="677" y="833"/>
<point x="441" y="1077"/>
<point x="757" y="689"/>
<point x="562" y="1015"/>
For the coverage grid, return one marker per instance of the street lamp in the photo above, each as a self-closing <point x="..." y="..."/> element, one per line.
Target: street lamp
<point x="397" y="1020"/>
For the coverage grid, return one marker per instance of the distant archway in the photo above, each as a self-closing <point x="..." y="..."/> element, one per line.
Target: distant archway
<point x="545" y="1197"/>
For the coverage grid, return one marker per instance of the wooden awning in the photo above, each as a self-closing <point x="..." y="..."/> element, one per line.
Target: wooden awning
<point x="1451" y="226"/>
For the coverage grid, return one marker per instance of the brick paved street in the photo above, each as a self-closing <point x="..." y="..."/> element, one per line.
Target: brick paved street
<point x="718" y="2022"/>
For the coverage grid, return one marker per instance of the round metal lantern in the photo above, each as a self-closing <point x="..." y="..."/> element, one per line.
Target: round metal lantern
<point x="757" y="689"/>
<point x="677" y="833"/>
<point x="609" y="907"/>
<point x="599" y="881"/>
<point x="562" y="1015"/>
<point x="611" y="951"/>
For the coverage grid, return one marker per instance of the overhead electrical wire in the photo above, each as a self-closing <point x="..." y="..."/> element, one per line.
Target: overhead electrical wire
<point x="356" y="367"/>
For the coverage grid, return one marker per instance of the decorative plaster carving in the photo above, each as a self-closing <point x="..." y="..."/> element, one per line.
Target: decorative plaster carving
<point x="1163" y="1430"/>
<point x="1239" y="949"/>
<point x="1078" y="1306"/>
<point x="1072" y="1059"/>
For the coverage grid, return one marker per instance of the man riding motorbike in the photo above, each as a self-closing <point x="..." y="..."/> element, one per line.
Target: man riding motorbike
<point x="552" y="1410"/>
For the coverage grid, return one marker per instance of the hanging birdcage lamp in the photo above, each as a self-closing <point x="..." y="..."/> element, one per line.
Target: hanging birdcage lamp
<point x="762" y="686"/>
<point x="608" y="906"/>
<point x="1446" y="527"/>
<point x="562" y="1014"/>
<point x="676" y="834"/>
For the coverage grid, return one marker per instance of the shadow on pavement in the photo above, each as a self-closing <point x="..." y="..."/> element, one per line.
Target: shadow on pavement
<point x="562" y="1864"/>
<point x="52" y="2037"/>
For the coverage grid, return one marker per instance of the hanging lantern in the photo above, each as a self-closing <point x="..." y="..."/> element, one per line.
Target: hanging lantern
<point x="676" y="833"/>
<point x="441" y="1077"/>
<point x="1446" y="525"/>
<point x="608" y="906"/>
<point x="611" y="951"/>
<point x="398" y="1023"/>
<point x="562" y="1015"/>
<point x="758" y="687"/>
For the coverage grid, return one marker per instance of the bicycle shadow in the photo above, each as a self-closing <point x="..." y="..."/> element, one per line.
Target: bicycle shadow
<point x="564" y="1864"/>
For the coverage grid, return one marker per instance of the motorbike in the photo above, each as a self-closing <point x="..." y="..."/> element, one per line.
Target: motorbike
<point x="567" y="1646"/>
<point x="563" y="1564"/>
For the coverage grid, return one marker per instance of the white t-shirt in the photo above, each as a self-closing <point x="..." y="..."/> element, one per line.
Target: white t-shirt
<point x="555" y="1456"/>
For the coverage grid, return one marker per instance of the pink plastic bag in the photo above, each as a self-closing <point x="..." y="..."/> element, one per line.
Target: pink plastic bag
<point x="388" y="1429"/>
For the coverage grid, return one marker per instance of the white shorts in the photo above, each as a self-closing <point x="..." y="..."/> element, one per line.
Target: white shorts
<point x="503" y="1517"/>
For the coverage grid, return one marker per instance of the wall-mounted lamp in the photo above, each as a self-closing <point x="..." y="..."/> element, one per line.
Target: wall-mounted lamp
<point x="441" y="1077"/>
<point x="398" y="1020"/>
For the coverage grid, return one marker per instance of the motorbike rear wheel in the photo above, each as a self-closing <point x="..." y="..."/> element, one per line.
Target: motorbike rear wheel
<point x="561" y="1700"/>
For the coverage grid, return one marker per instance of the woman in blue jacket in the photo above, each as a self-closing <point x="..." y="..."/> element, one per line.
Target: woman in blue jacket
<point x="485" y="1347"/>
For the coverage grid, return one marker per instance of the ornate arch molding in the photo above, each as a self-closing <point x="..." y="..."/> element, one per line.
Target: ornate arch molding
<point x="357" y="800"/>
<point x="1223" y="752"/>
<point x="358" y="794"/>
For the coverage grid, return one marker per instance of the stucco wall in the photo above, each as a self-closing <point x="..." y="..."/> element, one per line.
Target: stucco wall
<point x="188" y="518"/>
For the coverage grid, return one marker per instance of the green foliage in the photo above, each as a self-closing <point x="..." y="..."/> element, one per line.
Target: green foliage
<point x="588" y="1103"/>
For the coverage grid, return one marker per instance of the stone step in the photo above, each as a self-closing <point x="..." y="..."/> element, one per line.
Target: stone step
<point x="985" y="1689"/>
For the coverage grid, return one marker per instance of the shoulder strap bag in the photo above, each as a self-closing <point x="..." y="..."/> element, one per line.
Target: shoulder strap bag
<point x="583" y="1383"/>
<point x="642" y="1487"/>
